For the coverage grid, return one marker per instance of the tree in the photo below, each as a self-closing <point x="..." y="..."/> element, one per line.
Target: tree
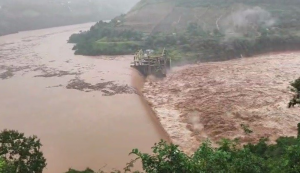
<point x="246" y="129"/>
<point x="296" y="85"/>
<point x="166" y="158"/>
<point x="6" y="167"/>
<point x="230" y="156"/>
<point x="296" y="97"/>
<point x="227" y="158"/>
<point x="22" y="152"/>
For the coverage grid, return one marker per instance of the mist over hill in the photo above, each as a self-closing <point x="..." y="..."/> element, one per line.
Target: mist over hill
<point x="176" y="15"/>
<point x="197" y="30"/>
<point x="20" y="15"/>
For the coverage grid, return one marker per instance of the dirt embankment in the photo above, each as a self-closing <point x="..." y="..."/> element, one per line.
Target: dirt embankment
<point x="212" y="100"/>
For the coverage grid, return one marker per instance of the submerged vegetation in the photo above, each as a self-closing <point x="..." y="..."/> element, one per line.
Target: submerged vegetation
<point x="255" y="27"/>
<point x="230" y="156"/>
<point x="296" y="85"/>
<point x="296" y="89"/>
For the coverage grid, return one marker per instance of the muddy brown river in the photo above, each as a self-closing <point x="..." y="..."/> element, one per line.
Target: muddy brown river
<point x="85" y="110"/>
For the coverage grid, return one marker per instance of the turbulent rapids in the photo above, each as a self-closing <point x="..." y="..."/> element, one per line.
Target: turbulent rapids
<point x="212" y="100"/>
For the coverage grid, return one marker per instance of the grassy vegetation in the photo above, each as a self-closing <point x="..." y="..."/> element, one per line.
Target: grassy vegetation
<point x="107" y="48"/>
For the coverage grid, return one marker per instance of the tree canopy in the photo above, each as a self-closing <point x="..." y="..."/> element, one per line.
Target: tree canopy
<point x="20" y="153"/>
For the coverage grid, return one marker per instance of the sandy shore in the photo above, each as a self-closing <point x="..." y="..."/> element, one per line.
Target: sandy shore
<point x="212" y="100"/>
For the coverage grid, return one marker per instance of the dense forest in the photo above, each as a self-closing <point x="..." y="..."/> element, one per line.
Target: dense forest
<point x="222" y="30"/>
<point x="106" y="38"/>
<point x="20" y="15"/>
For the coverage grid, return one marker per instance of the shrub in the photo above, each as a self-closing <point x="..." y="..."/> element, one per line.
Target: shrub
<point x="296" y="84"/>
<point x="22" y="152"/>
<point x="6" y="167"/>
<point x="228" y="157"/>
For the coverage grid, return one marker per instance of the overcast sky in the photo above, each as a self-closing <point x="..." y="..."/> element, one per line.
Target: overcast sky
<point x="36" y="7"/>
<point x="122" y="4"/>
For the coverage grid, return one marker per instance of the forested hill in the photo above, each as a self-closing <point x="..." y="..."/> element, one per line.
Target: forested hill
<point x="20" y="15"/>
<point x="196" y="30"/>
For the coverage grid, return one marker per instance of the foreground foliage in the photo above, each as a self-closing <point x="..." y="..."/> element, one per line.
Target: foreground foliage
<point x="20" y="154"/>
<point x="6" y="167"/>
<point x="283" y="156"/>
<point x="280" y="157"/>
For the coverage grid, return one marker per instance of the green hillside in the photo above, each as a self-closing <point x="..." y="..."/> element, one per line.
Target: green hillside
<point x="208" y="30"/>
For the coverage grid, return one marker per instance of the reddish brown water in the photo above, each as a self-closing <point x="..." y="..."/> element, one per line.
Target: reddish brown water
<point x="78" y="129"/>
<point x="211" y="100"/>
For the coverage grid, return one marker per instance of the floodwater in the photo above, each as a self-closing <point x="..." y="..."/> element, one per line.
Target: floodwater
<point x="84" y="109"/>
<point x="251" y="91"/>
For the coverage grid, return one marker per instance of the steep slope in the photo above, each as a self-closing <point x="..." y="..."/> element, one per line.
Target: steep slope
<point x="176" y="15"/>
<point x="198" y="30"/>
<point x="145" y="17"/>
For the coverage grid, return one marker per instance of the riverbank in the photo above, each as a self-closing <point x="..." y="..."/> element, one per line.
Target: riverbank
<point x="211" y="100"/>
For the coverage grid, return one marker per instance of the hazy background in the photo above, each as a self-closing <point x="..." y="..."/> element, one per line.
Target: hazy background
<point x="20" y="15"/>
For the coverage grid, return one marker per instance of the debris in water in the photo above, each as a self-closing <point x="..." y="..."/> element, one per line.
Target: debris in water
<point x="211" y="100"/>
<point x="108" y="88"/>
<point x="10" y="71"/>
<point x="56" y="86"/>
<point x="6" y="75"/>
<point x="57" y="74"/>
